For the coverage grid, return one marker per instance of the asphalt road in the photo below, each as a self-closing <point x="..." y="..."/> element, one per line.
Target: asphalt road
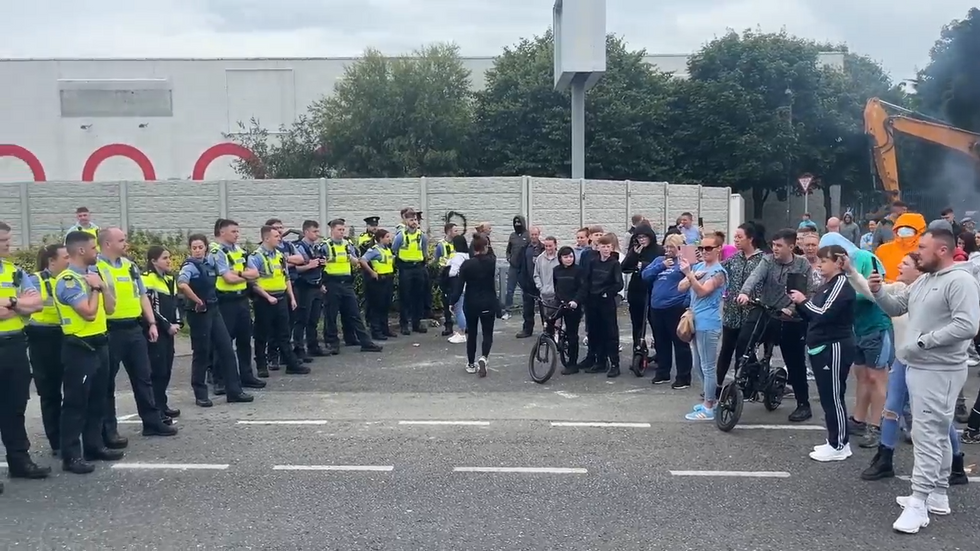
<point x="403" y="450"/>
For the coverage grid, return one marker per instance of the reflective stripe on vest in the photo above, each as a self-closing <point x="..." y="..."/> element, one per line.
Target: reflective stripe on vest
<point x="49" y="313"/>
<point x="71" y="322"/>
<point x="338" y="262"/>
<point x="10" y="281"/>
<point x="236" y="263"/>
<point x="273" y="278"/>
<point x="447" y="252"/>
<point x="384" y="265"/>
<point x="123" y="281"/>
<point x="411" y="249"/>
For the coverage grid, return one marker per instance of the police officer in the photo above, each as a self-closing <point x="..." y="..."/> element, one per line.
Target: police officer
<point x="210" y="343"/>
<point x="366" y="240"/>
<point x="232" y="286"/>
<point x="18" y="298"/>
<point x="273" y="300"/>
<point x="83" y="219"/>
<point x="378" y="266"/>
<point x="409" y="248"/>
<point x="339" y="297"/>
<point x="84" y="302"/>
<point x="127" y="343"/>
<point x="309" y="296"/>
<point x="293" y="259"/>
<point x="44" y="342"/>
<point x="161" y="289"/>
<point x="444" y="251"/>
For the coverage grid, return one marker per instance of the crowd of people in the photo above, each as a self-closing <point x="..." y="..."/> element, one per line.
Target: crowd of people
<point x="898" y="305"/>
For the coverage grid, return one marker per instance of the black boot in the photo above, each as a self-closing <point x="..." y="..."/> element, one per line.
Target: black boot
<point x="115" y="442"/>
<point x="24" y="467"/>
<point x="957" y="475"/>
<point x="613" y="371"/>
<point x="881" y="466"/>
<point x="587" y="363"/>
<point x="572" y="368"/>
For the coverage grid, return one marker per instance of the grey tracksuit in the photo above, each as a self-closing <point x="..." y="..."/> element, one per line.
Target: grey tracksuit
<point x="943" y="312"/>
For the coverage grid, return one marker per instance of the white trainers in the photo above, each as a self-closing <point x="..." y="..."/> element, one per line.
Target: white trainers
<point x="481" y="366"/>
<point x="937" y="504"/>
<point x="471" y="368"/>
<point x="506" y="316"/>
<point x="825" y="454"/>
<point x="914" y="517"/>
<point x="822" y="446"/>
<point x="457" y="338"/>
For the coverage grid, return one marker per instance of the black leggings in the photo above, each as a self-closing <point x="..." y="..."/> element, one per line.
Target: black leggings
<point x="729" y="340"/>
<point x="477" y="318"/>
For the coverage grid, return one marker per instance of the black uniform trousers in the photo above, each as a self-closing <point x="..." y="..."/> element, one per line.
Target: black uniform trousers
<point x="669" y="346"/>
<point x="127" y="345"/>
<point x="605" y="329"/>
<point x="86" y="378"/>
<point x="378" y="297"/>
<point x="309" y="307"/>
<point x="412" y="278"/>
<point x="238" y="323"/>
<point x="15" y="390"/>
<point x="272" y="331"/>
<point x="161" y="367"/>
<point x="211" y="346"/>
<point x="340" y="300"/>
<point x="44" y="344"/>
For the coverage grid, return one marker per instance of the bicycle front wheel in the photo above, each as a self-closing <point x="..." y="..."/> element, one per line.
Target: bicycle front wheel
<point x="543" y="361"/>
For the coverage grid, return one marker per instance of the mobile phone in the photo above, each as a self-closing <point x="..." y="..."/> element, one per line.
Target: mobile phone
<point x="700" y="222"/>
<point x="796" y="282"/>
<point x="874" y="266"/>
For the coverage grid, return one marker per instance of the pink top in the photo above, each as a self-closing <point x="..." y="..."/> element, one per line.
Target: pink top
<point x="727" y="251"/>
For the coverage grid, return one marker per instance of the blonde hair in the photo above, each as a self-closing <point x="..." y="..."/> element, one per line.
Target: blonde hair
<point x="613" y="240"/>
<point x="675" y="240"/>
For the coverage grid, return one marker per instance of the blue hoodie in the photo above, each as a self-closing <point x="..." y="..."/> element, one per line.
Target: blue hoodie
<point x="869" y="318"/>
<point x="664" y="281"/>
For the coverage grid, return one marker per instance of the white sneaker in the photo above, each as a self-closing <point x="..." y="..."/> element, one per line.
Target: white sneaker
<point x="471" y="368"/>
<point x="822" y="446"/>
<point x="457" y="338"/>
<point x="937" y="504"/>
<point x="482" y="366"/>
<point x="506" y="316"/>
<point x="827" y="454"/>
<point x="914" y="517"/>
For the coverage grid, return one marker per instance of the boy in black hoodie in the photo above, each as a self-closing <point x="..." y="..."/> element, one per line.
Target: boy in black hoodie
<point x="603" y="280"/>
<point x="644" y="248"/>
<point x="570" y="290"/>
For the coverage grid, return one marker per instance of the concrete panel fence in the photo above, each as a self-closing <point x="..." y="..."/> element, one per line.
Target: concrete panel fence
<point x="559" y="206"/>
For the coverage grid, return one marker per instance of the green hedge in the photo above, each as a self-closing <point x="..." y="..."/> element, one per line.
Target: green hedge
<point x="140" y="241"/>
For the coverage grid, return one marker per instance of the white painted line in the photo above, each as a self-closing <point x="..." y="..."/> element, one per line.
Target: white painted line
<point x="598" y="424"/>
<point x="465" y="423"/>
<point x="371" y="468"/>
<point x="907" y="478"/>
<point x="780" y="427"/>
<point x="130" y="422"/>
<point x="565" y="394"/>
<point x="172" y="466"/>
<point x="287" y="422"/>
<point x="736" y="474"/>
<point x="525" y="470"/>
<point x="126" y="417"/>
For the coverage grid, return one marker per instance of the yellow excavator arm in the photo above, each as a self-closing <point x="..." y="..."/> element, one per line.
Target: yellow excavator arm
<point x="881" y="127"/>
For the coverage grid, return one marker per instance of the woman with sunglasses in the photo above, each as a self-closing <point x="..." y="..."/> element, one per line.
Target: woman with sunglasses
<point x="706" y="283"/>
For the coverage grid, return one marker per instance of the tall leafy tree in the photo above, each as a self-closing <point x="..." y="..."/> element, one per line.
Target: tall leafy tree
<point x="949" y="86"/>
<point x="523" y="126"/>
<point x="297" y="151"/>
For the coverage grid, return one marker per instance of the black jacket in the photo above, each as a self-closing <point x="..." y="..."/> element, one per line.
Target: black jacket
<point x="568" y="283"/>
<point x="525" y="269"/>
<point x="603" y="278"/>
<point x="830" y="312"/>
<point x="634" y="262"/>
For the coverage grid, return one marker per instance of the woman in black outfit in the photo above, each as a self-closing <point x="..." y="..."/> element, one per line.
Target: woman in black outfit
<point x="480" y="305"/>
<point x="161" y="287"/>
<point x="643" y="249"/>
<point x="570" y="290"/>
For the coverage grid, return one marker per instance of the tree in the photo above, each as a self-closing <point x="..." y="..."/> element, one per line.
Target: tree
<point x="387" y="118"/>
<point x="949" y="87"/>
<point x="523" y="126"/>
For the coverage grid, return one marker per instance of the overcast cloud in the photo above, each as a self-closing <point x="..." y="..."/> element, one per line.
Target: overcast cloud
<point x="898" y="33"/>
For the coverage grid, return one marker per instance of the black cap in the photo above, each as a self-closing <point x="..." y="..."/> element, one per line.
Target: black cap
<point x="372" y="220"/>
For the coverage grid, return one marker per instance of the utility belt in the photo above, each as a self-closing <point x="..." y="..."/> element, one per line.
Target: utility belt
<point x="409" y="264"/>
<point x="91" y="344"/>
<point x="122" y="325"/>
<point x="337" y="279"/>
<point x="307" y="283"/>
<point x="278" y="295"/>
<point x="227" y="296"/>
<point x="36" y="331"/>
<point x="13" y="339"/>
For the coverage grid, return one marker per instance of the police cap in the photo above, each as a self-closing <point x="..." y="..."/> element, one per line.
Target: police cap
<point x="372" y="220"/>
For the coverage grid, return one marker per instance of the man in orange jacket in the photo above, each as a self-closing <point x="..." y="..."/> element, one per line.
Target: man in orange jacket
<point x="908" y="228"/>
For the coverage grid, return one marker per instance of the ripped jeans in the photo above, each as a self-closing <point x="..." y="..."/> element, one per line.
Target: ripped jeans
<point x="897" y="404"/>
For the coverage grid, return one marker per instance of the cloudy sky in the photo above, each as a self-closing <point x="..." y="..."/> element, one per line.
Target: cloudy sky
<point x="898" y="33"/>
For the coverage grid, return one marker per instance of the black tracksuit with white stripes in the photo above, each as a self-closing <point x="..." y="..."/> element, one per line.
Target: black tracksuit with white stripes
<point x="830" y="343"/>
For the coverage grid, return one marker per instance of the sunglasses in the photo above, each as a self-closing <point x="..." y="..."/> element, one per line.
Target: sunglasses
<point x="707" y="248"/>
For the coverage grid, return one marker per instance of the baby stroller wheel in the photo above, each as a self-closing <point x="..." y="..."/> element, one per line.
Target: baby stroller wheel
<point x="772" y="397"/>
<point x="729" y="409"/>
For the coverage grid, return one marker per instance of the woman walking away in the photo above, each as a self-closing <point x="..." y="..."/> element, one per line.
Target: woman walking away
<point x="569" y="290"/>
<point x="644" y="250"/>
<point x="830" y="345"/>
<point x="480" y="303"/>
<point x="706" y="282"/>
<point x="667" y="304"/>
<point x="161" y="286"/>
<point x="461" y="253"/>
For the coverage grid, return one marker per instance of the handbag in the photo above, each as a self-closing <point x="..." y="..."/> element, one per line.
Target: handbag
<point x="685" y="328"/>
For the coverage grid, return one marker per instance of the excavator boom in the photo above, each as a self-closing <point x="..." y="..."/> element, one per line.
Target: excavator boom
<point x="881" y="127"/>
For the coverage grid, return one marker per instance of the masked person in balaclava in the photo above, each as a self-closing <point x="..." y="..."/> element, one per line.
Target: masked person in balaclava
<point x="515" y="257"/>
<point x="908" y="228"/>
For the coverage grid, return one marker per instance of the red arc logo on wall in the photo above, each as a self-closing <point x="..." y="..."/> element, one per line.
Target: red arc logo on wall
<point x="209" y="155"/>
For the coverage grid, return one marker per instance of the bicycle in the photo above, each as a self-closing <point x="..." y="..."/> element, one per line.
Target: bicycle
<point x="551" y="344"/>
<point x="754" y="378"/>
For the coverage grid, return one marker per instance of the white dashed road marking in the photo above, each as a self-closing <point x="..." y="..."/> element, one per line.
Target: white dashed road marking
<point x="523" y="470"/>
<point x="599" y="424"/>
<point x="780" y="427"/>
<point x="286" y="422"/>
<point x="736" y="474"/>
<point x="172" y="466"/>
<point x="369" y="468"/>
<point x="463" y="423"/>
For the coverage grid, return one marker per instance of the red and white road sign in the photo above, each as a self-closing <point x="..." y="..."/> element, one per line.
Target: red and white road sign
<point x="805" y="182"/>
